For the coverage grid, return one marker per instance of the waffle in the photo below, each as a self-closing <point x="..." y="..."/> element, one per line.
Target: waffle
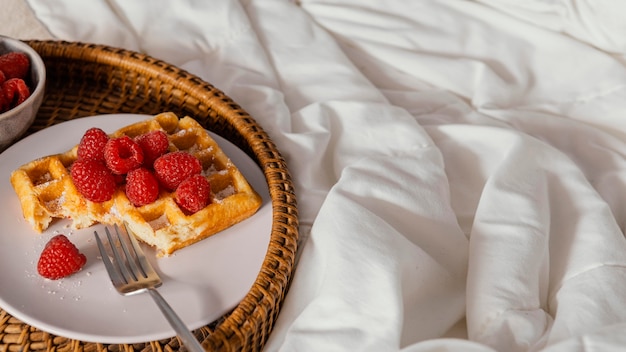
<point x="46" y="192"/>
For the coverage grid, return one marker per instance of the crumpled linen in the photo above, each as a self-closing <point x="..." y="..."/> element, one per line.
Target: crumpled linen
<point x="18" y="21"/>
<point x="459" y="165"/>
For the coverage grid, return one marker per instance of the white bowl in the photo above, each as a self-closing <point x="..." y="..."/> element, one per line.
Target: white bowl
<point x="14" y="122"/>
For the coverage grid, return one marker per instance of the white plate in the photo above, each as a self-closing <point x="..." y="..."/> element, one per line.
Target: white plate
<point x="201" y="282"/>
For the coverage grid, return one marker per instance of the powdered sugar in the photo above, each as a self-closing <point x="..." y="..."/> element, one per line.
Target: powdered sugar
<point x="224" y="193"/>
<point x="160" y="222"/>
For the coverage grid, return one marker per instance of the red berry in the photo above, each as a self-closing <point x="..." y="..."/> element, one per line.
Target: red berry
<point x="14" y="65"/>
<point x="119" y="179"/>
<point x="193" y="193"/>
<point x="5" y="102"/>
<point x="15" y="92"/>
<point x="154" y="144"/>
<point x="122" y="154"/>
<point x="141" y="187"/>
<point x="60" y="258"/>
<point x="93" y="180"/>
<point x="92" y="144"/>
<point x="173" y="168"/>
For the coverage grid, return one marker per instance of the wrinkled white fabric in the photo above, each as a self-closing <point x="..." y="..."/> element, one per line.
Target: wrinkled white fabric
<point x="459" y="165"/>
<point x="18" y="21"/>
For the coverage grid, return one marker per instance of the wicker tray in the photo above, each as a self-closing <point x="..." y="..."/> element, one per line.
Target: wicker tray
<point x="85" y="80"/>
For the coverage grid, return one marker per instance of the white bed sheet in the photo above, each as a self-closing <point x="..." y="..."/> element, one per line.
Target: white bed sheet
<point x="459" y="165"/>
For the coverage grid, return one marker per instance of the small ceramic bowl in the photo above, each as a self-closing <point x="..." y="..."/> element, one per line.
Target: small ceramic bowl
<point x="14" y="122"/>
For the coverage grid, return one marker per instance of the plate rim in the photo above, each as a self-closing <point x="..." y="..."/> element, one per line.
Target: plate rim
<point x="37" y="323"/>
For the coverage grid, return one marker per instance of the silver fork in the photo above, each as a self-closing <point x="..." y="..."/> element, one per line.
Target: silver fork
<point x="131" y="273"/>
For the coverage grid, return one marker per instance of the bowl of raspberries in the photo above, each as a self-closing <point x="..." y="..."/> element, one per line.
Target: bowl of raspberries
<point x="22" y="83"/>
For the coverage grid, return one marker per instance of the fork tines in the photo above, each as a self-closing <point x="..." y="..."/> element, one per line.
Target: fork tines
<point x="130" y="271"/>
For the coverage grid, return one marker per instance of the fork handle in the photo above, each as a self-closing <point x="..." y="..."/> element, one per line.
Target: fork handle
<point x="185" y="335"/>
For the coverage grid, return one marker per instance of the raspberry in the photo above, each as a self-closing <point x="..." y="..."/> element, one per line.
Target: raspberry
<point x="5" y="101"/>
<point x="193" y="193"/>
<point x="119" y="179"/>
<point x="141" y="187"/>
<point x="60" y="258"/>
<point x="173" y="168"/>
<point x="93" y="180"/>
<point x="92" y="144"/>
<point x="154" y="144"/>
<point x="122" y="155"/>
<point x="14" y="65"/>
<point x="14" y="92"/>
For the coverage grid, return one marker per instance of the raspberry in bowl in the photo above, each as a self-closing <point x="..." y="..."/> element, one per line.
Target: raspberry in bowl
<point x="22" y="83"/>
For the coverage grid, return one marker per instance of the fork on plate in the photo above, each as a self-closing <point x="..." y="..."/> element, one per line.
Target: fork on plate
<point x="131" y="273"/>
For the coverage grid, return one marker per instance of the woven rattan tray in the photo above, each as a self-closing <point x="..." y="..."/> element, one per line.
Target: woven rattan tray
<point x="86" y="80"/>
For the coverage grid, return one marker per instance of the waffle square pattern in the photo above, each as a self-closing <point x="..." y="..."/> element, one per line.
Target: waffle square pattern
<point x="46" y="191"/>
